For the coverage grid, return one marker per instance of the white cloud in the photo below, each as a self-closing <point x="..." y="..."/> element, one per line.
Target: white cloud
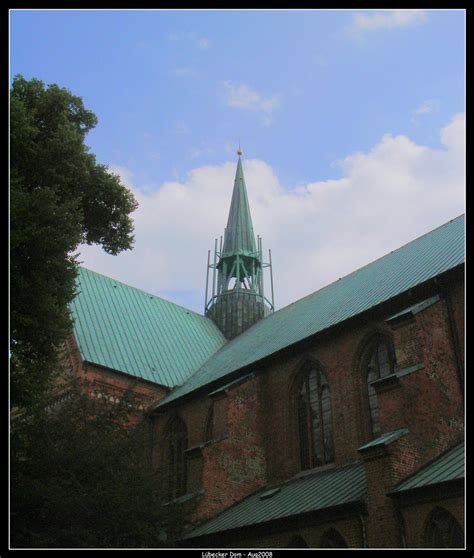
<point x="318" y="232"/>
<point x="184" y="72"/>
<point x="244" y="97"/>
<point x="181" y="128"/>
<point x="203" y="42"/>
<point x="366" y="22"/>
<point x="426" y="107"/>
<point x="191" y="37"/>
<point x="390" y="18"/>
<point x="124" y="173"/>
<point x="200" y="151"/>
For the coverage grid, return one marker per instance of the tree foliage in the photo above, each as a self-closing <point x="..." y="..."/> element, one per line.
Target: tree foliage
<point x="59" y="197"/>
<point x="81" y="477"/>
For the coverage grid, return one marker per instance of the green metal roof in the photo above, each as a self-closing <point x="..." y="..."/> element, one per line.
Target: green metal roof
<point x="239" y="237"/>
<point x="326" y="489"/>
<point x="412" y="264"/>
<point x="447" y="467"/>
<point x="131" y="331"/>
<point x="385" y="439"/>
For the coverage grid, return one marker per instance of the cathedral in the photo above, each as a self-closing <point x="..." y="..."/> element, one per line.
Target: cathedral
<point x="334" y="422"/>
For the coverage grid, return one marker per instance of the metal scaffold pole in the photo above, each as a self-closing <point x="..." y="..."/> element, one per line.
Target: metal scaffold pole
<point x="271" y="277"/>
<point x="214" y="272"/>
<point x="207" y="279"/>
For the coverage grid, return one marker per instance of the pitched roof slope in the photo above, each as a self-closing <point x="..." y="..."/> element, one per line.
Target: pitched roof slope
<point x="448" y="466"/>
<point x="412" y="264"/>
<point x="131" y="331"/>
<point x="325" y="489"/>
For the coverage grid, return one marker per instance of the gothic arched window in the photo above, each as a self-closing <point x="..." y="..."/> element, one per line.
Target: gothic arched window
<point x="380" y="362"/>
<point x="443" y="531"/>
<point x="332" y="539"/>
<point x="314" y="418"/>
<point x="297" y="542"/>
<point x="175" y="457"/>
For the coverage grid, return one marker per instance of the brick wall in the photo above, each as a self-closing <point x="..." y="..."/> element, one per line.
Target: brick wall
<point x="233" y="464"/>
<point x="103" y="383"/>
<point x="256" y="441"/>
<point x="429" y="400"/>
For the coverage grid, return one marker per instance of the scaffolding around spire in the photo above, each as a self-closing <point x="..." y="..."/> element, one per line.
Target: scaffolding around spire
<point x="237" y="300"/>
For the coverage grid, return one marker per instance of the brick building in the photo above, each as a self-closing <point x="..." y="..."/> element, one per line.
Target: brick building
<point x="336" y="421"/>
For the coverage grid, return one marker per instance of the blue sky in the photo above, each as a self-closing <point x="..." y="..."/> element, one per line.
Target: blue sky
<point x="322" y="101"/>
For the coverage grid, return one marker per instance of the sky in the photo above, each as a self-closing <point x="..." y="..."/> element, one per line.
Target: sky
<point x="352" y="124"/>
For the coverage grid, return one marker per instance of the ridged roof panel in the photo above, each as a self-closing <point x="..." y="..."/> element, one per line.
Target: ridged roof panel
<point x="131" y="331"/>
<point x="412" y="264"/>
<point x="447" y="467"/>
<point x="309" y="493"/>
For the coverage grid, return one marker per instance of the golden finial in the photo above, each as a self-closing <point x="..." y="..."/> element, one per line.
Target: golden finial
<point x="239" y="151"/>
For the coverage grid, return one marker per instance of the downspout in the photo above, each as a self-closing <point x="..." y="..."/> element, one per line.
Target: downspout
<point x="151" y="437"/>
<point x="453" y="335"/>
<point x="363" y="526"/>
<point x="401" y="523"/>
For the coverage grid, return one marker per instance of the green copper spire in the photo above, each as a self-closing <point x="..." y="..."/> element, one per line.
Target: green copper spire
<point x="237" y="300"/>
<point x="239" y="237"/>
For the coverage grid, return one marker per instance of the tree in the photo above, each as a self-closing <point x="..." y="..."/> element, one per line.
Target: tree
<point x="82" y="477"/>
<point x="59" y="197"/>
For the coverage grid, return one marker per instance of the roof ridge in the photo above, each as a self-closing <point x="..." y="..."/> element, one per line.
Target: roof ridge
<point x="144" y="292"/>
<point x="223" y="362"/>
<point x="265" y="318"/>
<point x="373" y="261"/>
<point x="455" y="446"/>
<point x="137" y="333"/>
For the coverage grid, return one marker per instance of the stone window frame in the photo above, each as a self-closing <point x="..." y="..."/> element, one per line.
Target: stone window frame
<point x="369" y="399"/>
<point x="302" y="425"/>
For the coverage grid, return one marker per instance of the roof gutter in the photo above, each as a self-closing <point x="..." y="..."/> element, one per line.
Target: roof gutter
<point x="352" y="509"/>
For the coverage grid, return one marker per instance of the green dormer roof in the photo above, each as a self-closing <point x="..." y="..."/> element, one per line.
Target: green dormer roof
<point x="449" y="466"/>
<point x="308" y="493"/>
<point x="140" y="334"/>
<point x="239" y="237"/>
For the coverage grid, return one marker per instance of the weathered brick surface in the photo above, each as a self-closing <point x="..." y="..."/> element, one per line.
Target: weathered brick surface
<point x="382" y="525"/>
<point x="430" y="401"/>
<point x="255" y="430"/>
<point x="102" y="383"/>
<point x="233" y="464"/>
